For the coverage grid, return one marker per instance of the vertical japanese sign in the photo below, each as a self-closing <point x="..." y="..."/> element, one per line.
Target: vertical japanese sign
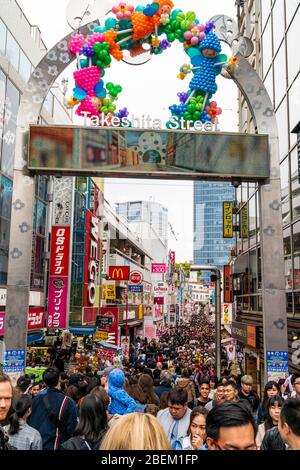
<point x="227" y="219"/>
<point x="35" y="318"/>
<point x="226" y="286"/>
<point x="62" y="201"/>
<point x="91" y="263"/>
<point x="226" y="318"/>
<point x="244" y="222"/>
<point x="58" y="280"/>
<point x="2" y="322"/>
<point x="105" y="242"/>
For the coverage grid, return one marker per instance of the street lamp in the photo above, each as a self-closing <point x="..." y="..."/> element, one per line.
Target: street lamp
<point x="217" y="274"/>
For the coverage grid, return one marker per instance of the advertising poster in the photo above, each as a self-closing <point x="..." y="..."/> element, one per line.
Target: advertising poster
<point x="57" y="302"/>
<point x="14" y="361"/>
<point x="277" y="365"/>
<point x="108" y="324"/>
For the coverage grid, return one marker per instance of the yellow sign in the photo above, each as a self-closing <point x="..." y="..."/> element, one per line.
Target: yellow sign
<point x="110" y="292"/>
<point x="244" y="224"/>
<point x="140" y="312"/>
<point x="101" y="336"/>
<point x="227" y="219"/>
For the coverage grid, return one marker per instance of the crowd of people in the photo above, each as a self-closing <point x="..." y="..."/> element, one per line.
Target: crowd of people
<point x="165" y="397"/>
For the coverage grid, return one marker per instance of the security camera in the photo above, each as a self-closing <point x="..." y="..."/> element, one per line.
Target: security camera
<point x="236" y="182"/>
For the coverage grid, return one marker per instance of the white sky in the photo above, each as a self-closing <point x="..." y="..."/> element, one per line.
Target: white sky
<point x="148" y="89"/>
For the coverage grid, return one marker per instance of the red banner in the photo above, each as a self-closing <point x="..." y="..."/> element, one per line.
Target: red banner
<point x="172" y="257"/>
<point x="2" y="322"/>
<point x="159" y="300"/>
<point x="57" y="302"/>
<point x="226" y="287"/>
<point x="109" y="324"/>
<point x="92" y="257"/>
<point x="60" y="248"/>
<point x="119" y="273"/>
<point x="35" y="318"/>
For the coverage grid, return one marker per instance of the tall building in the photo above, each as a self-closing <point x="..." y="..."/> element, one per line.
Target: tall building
<point x="209" y="245"/>
<point x="154" y="213"/>
<point x="273" y="26"/>
<point x="21" y="49"/>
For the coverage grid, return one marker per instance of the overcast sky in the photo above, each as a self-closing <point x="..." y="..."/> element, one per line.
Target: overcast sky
<point x="148" y="89"/>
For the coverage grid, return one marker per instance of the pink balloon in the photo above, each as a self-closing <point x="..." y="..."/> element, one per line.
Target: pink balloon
<point x="127" y="15"/>
<point x="188" y="35"/>
<point x="213" y="104"/>
<point x="219" y="110"/>
<point x="120" y="15"/>
<point x="201" y="36"/>
<point x="202" y="27"/>
<point x="194" y="41"/>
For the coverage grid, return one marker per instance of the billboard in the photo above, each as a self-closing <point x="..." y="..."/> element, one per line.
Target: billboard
<point x="116" y="151"/>
<point x="109" y="324"/>
<point x="227" y="219"/>
<point x="159" y="268"/>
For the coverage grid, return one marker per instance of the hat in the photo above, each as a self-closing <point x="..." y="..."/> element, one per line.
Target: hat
<point x="74" y="379"/>
<point x="247" y="380"/>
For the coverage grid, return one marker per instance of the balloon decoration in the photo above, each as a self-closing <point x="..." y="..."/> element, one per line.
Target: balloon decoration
<point x="154" y="26"/>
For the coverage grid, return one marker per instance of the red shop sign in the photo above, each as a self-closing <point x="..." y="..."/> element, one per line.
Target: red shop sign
<point x="60" y="247"/>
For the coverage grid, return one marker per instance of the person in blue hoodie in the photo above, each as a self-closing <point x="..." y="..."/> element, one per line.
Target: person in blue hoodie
<point x="121" y="403"/>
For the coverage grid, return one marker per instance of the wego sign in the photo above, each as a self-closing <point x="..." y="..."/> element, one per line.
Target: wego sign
<point x="92" y="259"/>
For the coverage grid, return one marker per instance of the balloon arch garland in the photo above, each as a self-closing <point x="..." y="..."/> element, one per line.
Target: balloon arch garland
<point x="157" y="25"/>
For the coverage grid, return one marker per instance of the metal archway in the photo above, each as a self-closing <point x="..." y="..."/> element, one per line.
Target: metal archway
<point x="254" y="91"/>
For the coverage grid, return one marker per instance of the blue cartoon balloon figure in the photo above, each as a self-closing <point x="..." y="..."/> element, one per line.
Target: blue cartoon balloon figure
<point x="205" y="60"/>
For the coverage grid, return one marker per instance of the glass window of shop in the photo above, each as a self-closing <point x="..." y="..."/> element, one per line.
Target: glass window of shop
<point x="267" y="48"/>
<point x="269" y="84"/>
<point x="25" y="67"/>
<point x="289" y="302"/>
<point x="9" y="129"/>
<point x="295" y="178"/>
<point x="296" y="254"/>
<point x="292" y="48"/>
<point x="252" y="220"/>
<point x="253" y="279"/>
<point x="278" y="23"/>
<point x="283" y="131"/>
<point x="296" y="302"/>
<point x="12" y="50"/>
<point x="280" y="76"/>
<point x="285" y="190"/>
<point x="294" y="105"/>
<point x="291" y="7"/>
<point x="3" y="32"/>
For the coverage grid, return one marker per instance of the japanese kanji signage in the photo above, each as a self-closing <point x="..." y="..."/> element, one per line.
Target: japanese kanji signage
<point x="277" y="365"/>
<point x="109" y="292"/>
<point x="244" y="224"/>
<point x="2" y="322"/>
<point x="35" y="318"/>
<point x="14" y="361"/>
<point x="57" y="302"/>
<point x="227" y="219"/>
<point x="60" y="246"/>
<point x="226" y="285"/>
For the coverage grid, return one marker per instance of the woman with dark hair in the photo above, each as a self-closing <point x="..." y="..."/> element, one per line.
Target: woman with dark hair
<point x="21" y="435"/>
<point x="91" y="427"/>
<point x="272" y="413"/>
<point x="196" y="434"/>
<point x="271" y="390"/>
<point x="147" y="386"/>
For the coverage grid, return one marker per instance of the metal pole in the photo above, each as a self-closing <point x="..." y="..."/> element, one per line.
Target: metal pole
<point x="217" y="273"/>
<point x="126" y="294"/>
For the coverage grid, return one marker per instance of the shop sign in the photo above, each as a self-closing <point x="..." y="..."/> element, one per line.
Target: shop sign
<point x="105" y="242"/>
<point x="2" y="323"/>
<point x="226" y="286"/>
<point x="57" y="302"/>
<point x="226" y="314"/>
<point x="245" y="334"/>
<point x="60" y="247"/>
<point x="109" y="292"/>
<point x="101" y="336"/>
<point x="172" y="257"/>
<point x="35" y="318"/>
<point x="14" y="361"/>
<point x="136" y="277"/>
<point x="136" y="288"/>
<point x="62" y="201"/>
<point x="119" y="273"/>
<point x="227" y="219"/>
<point x="91" y="265"/>
<point x="159" y="268"/>
<point x="277" y="365"/>
<point x="3" y="297"/>
<point x="244" y="222"/>
<point x="160" y="288"/>
<point x="109" y="324"/>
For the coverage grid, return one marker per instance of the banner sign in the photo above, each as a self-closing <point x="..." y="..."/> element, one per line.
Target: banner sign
<point x="60" y="248"/>
<point x="227" y="219"/>
<point x="62" y="201"/>
<point x="2" y="323"/>
<point x="119" y="273"/>
<point x="226" y="284"/>
<point x="277" y="365"/>
<point x="158" y="300"/>
<point x="172" y="257"/>
<point x="246" y="334"/>
<point x="244" y="222"/>
<point x="226" y="314"/>
<point x="35" y="318"/>
<point x="109" y="321"/>
<point x="160" y="288"/>
<point x="109" y="292"/>
<point x="136" y="277"/>
<point x="57" y="302"/>
<point x="92" y="259"/>
<point x="136" y="288"/>
<point x="159" y="268"/>
<point x="86" y="150"/>
<point x="14" y="361"/>
<point x="105" y="242"/>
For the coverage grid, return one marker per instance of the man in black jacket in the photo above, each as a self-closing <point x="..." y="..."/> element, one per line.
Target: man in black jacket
<point x="246" y="393"/>
<point x="54" y="414"/>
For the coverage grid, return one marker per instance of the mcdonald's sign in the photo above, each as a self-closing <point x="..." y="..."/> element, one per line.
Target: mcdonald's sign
<point x="119" y="273"/>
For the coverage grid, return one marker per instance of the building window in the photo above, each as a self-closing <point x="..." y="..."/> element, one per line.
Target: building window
<point x="3" y="32"/>
<point x="12" y="50"/>
<point x="25" y="67"/>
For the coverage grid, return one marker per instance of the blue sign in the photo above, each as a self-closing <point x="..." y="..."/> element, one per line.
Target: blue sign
<point x="14" y="361"/>
<point x="136" y="288"/>
<point x="277" y="363"/>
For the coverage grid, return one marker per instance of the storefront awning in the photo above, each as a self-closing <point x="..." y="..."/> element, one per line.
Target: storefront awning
<point x="77" y="330"/>
<point x="35" y="337"/>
